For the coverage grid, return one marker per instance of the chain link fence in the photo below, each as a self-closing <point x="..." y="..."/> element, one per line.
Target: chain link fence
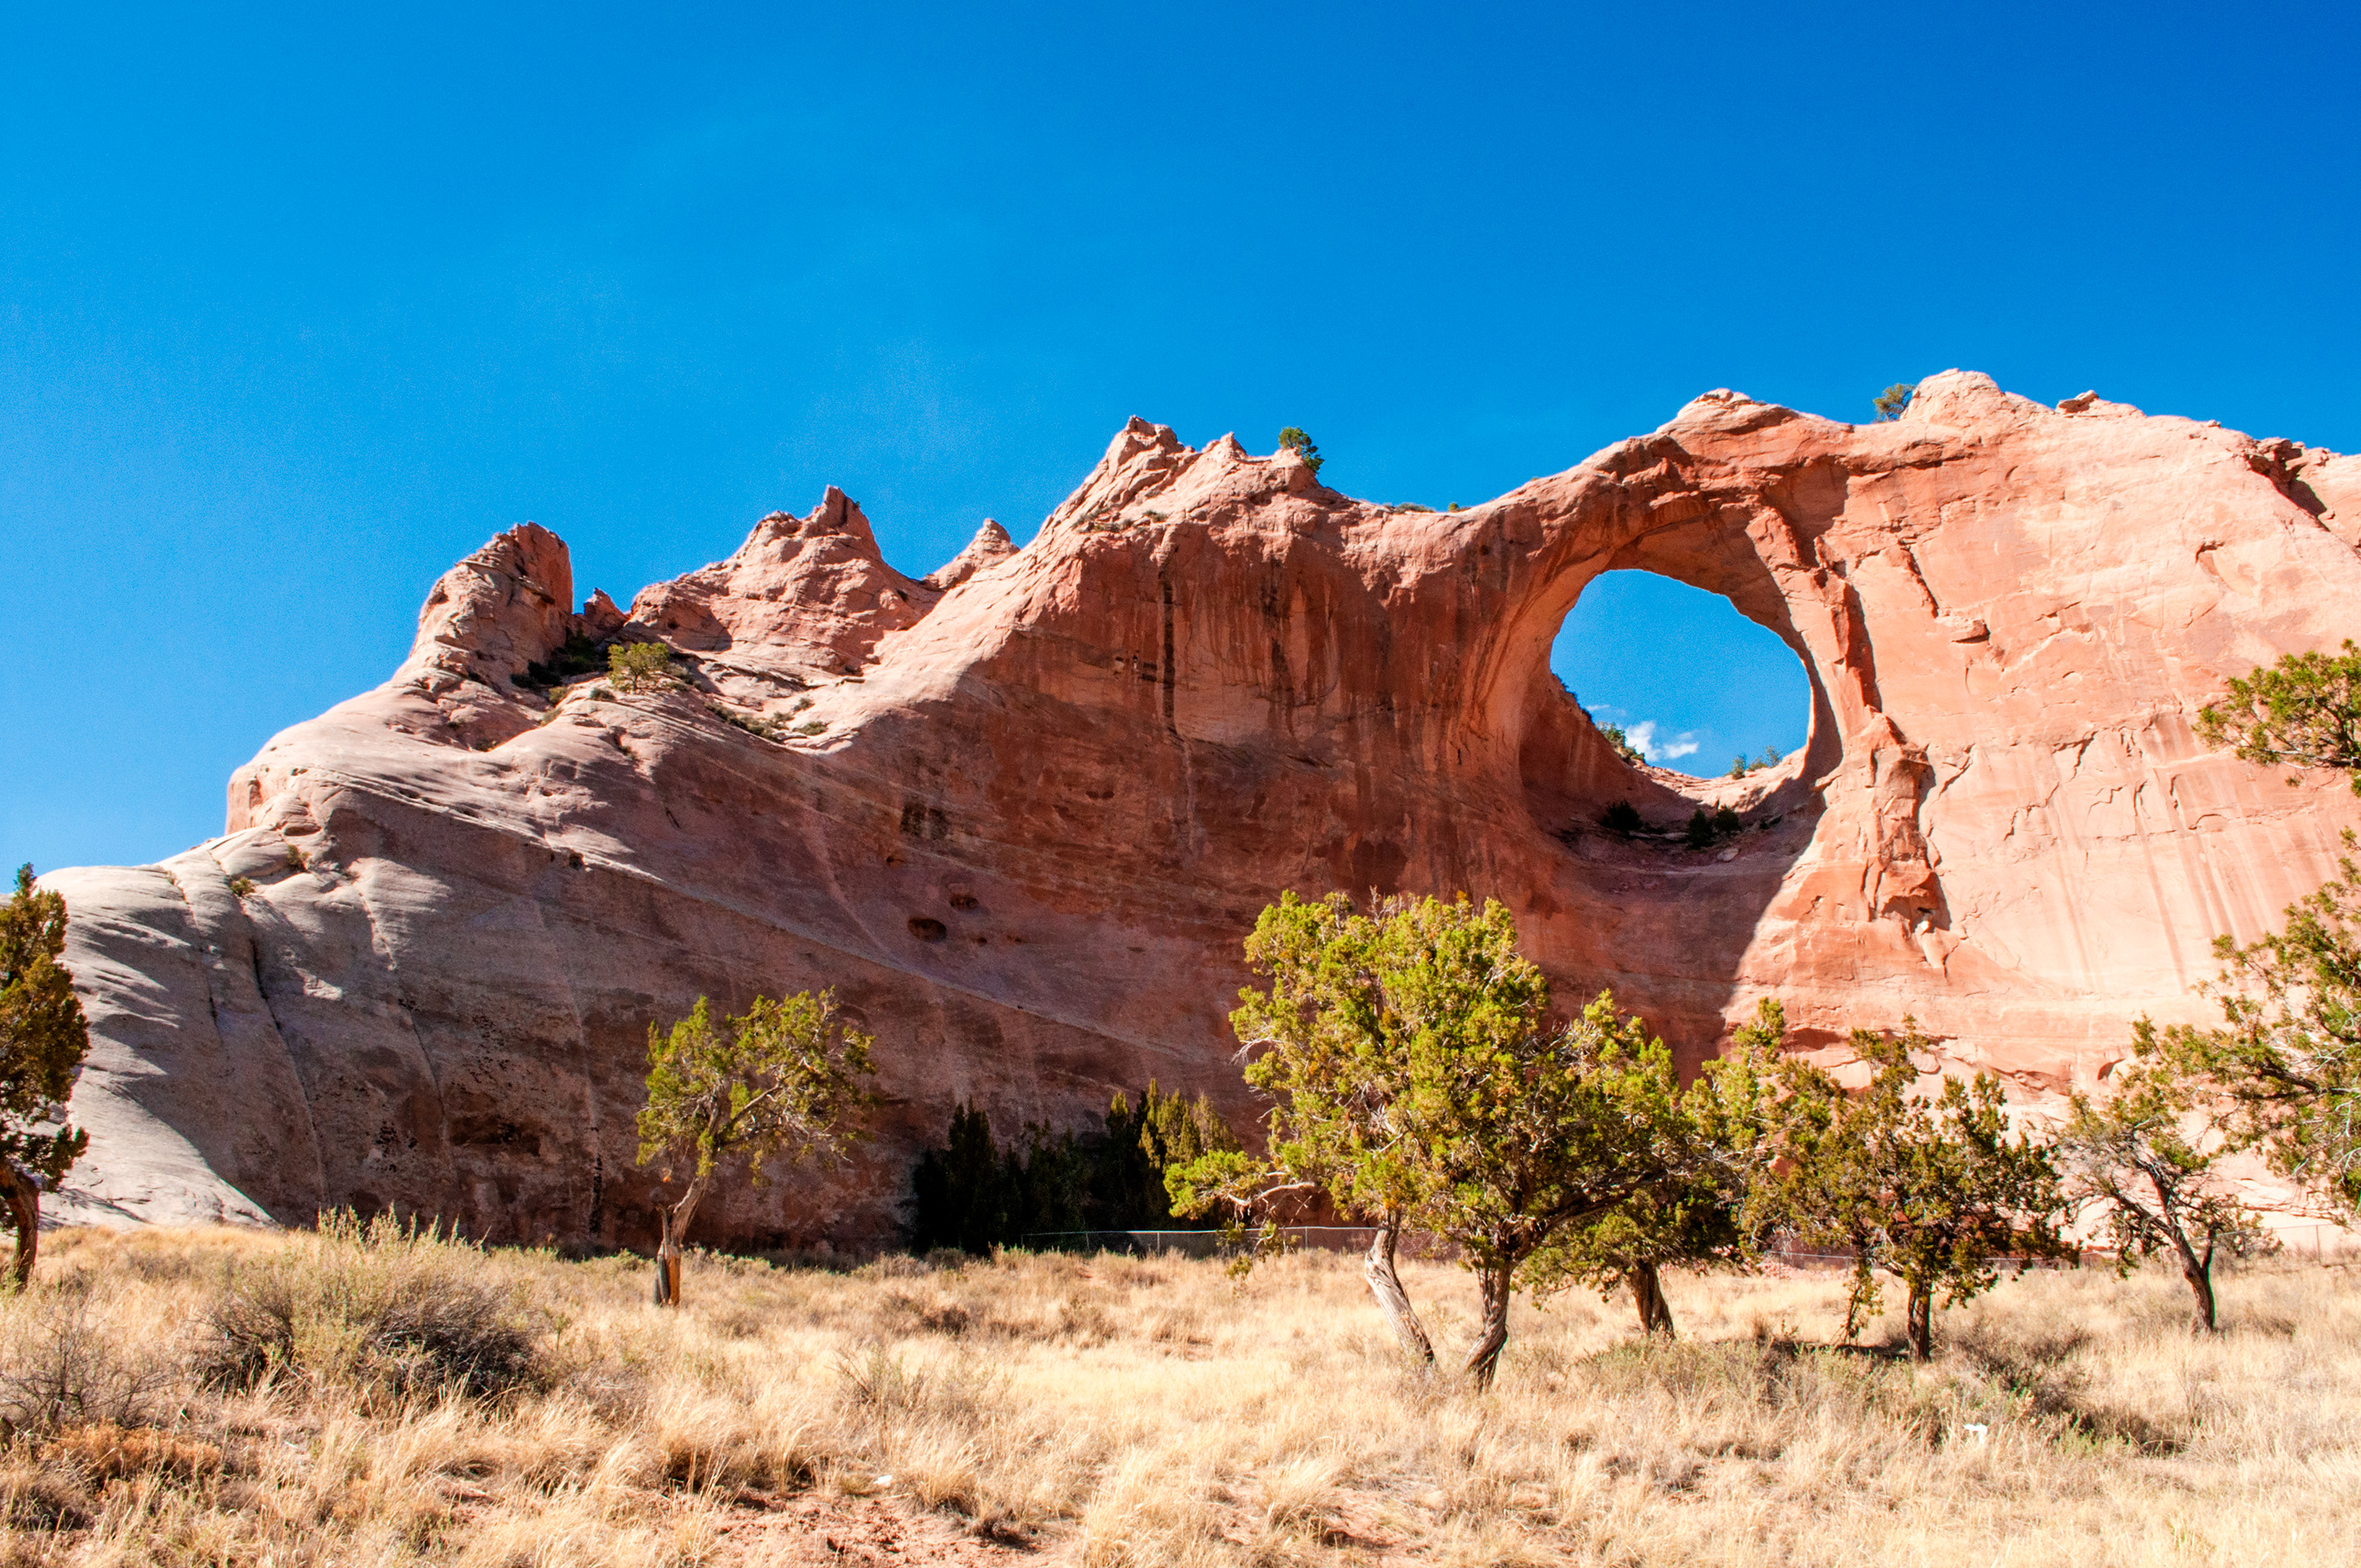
<point x="1196" y="1243"/>
<point x="2324" y="1243"/>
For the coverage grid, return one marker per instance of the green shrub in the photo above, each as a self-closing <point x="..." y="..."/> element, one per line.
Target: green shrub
<point x="579" y="656"/>
<point x="1705" y="831"/>
<point x="44" y="1036"/>
<point x="1890" y="402"/>
<point x="384" y="1309"/>
<point x="758" y="726"/>
<point x="1620" y="818"/>
<point x="1699" y="832"/>
<point x="972" y="1195"/>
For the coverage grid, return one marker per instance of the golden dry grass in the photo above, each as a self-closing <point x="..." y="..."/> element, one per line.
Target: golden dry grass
<point x="1113" y="1412"/>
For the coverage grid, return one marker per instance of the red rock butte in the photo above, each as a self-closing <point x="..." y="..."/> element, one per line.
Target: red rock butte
<point x="1020" y="814"/>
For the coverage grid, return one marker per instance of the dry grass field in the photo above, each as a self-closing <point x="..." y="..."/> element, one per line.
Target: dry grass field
<point x="233" y="1397"/>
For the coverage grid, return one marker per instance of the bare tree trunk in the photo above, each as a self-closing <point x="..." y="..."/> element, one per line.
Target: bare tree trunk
<point x="1919" y="1322"/>
<point x="1648" y="1295"/>
<point x="675" y="1224"/>
<point x="1386" y="1285"/>
<point x="24" y="1201"/>
<point x="667" y="1262"/>
<point x="2198" y="1269"/>
<point x="1484" y="1356"/>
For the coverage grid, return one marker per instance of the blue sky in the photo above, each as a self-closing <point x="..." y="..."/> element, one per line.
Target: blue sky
<point x="1693" y="684"/>
<point x="298" y="305"/>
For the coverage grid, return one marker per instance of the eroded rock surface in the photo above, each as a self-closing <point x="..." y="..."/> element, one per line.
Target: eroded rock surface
<point x="1020" y="814"/>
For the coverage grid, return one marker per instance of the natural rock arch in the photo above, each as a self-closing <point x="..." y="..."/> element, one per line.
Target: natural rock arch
<point x="1020" y="814"/>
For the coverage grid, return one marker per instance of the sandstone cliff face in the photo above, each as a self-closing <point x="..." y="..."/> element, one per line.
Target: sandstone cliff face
<point x="1028" y="807"/>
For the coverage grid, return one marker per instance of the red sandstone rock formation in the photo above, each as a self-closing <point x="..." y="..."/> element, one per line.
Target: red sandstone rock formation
<point x="1020" y="814"/>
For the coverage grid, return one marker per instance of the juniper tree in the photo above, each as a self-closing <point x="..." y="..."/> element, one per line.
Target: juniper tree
<point x="1293" y="440"/>
<point x="1529" y="1132"/>
<point x="2150" y="1176"/>
<point x="1931" y="1191"/>
<point x="2303" y="712"/>
<point x="2287" y="1061"/>
<point x="1890" y="402"/>
<point x="637" y="666"/>
<point x="1330" y="1046"/>
<point x="778" y="1083"/>
<point x="959" y="1192"/>
<point x="1416" y="1079"/>
<point x="1697" y="1202"/>
<point x="1162" y="1132"/>
<point x="43" y="1038"/>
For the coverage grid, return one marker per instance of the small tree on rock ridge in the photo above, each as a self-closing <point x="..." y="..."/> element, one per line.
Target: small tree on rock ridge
<point x="777" y="1084"/>
<point x="639" y="666"/>
<point x="1890" y="402"/>
<point x="1621" y="744"/>
<point x="1295" y="441"/>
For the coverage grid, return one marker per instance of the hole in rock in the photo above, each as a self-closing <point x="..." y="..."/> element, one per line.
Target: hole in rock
<point x="1693" y="684"/>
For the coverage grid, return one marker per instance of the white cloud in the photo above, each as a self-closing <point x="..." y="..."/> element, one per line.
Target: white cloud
<point x="1643" y="736"/>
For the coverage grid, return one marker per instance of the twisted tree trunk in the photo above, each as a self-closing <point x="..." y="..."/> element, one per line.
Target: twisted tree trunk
<point x="1919" y="1323"/>
<point x="1386" y="1285"/>
<point x="1648" y="1295"/>
<point x="675" y="1217"/>
<point x="2197" y="1268"/>
<point x="24" y="1201"/>
<point x="1484" y="1356"/>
